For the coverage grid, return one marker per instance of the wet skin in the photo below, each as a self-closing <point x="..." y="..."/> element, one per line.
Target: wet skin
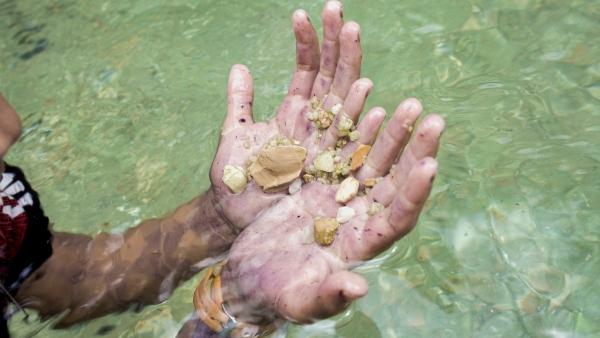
<point x="274" y="270"/>
<point x="10" y="128"/>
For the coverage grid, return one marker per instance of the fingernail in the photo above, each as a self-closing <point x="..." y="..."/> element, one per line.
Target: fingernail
<point x="410" y="105"/>
<point x="300" y="14"/>
<point x="333" y="5"/>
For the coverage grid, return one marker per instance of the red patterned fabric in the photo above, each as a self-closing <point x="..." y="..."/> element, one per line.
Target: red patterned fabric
<point x="12" y="230"/>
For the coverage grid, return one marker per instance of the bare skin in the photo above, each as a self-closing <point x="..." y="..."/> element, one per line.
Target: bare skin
<point x="10" y="128"/>
<point x="272" y="271"/>
<point x="275" y="269"/>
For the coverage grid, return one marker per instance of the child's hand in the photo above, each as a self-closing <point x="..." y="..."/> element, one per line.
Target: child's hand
<point x="10" y="128"/>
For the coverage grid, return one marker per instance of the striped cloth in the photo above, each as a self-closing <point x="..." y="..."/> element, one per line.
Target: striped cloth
<point x="25" y="237"/>
<point x="13" y="218"/>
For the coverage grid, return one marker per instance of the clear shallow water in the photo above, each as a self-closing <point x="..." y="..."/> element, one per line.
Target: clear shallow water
<point x="122" y="102"/>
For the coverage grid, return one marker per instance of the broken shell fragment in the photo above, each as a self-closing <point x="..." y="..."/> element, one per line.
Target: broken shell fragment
<point x="345" y="124"/>
<point x="375" y="208"/>
<point x="308" y="178"/>
<point x="344" y="214"/>
<point x="347" y="190"/>
<point x="234" y="178"/>
<point x="325" y="161"/>
<point x="325" y="230"/>
<point x="336" y="108"/>
<point x="371" y="181"/>
<point x="354" y="135"/>
<point x="295" y="186"/>
<point x="277" y="166"/>
<point x="359" y="155"/>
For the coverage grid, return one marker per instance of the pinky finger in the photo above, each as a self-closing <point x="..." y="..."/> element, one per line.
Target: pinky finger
<point x="407" y="205"/>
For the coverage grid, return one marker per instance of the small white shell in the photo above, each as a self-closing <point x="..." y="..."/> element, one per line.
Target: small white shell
<point x="344" y="214"/>
<point x="336" y="108"/>
<point x="295" y="186"/>
<point x="375" y="208"/>
<point x="325" y="162"/>
<point x="235" y="178"/>
<point x="347" y="190"/>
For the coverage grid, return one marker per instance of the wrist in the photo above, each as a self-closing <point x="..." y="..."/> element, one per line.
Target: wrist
<point x="206" y="219"/>
<point x="220" y="308"/>
<point x="219" y="214"/>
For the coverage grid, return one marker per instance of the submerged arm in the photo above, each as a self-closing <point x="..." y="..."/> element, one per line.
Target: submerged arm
<point x="10" y="128"/>
<point x="93" y="276"/>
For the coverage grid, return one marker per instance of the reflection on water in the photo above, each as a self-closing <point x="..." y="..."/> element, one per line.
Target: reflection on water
<point x="116" y="97"/>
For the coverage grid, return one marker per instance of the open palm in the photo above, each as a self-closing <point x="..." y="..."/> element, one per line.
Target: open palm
<point x="330" y="74"/>
<point x="275" y="268"/>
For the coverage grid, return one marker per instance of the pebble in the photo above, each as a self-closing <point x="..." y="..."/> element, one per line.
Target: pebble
<point x="235" y="178"/>
<point x="344" y="214"/>
<point x="347" y="190"/>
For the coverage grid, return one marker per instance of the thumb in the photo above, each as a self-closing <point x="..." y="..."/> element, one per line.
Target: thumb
<point x="338" y="290"/>
<point x="307" y="302"/>
<point x="240" y="94"/>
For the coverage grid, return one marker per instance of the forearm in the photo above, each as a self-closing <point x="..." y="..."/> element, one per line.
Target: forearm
<point x="10" y="127"/>
<point x="108" y="272"/>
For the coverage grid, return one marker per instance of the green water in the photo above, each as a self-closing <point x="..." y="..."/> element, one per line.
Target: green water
<point x="123" y="102"/>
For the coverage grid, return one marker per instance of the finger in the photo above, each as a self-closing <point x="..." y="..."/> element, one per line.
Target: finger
<point x="291" y="116"/>
<point x="370" y="125"/>
<point x="391" y="224"/>
<point x="240" y="93"/>
<point x="332" y="17"/>
<point x="367" y="129"/>
<point x="337" y="291"/>
<point x="425" y="143"/>
<point x="391" y="141"/>
<point x="353" y="106"/>
<point x="308" y="301"/>
<point x="307" y="55"/>
<point x="348" y="67"/>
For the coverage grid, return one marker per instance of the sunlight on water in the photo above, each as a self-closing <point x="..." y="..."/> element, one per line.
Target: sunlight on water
<point x="122" y="102"/>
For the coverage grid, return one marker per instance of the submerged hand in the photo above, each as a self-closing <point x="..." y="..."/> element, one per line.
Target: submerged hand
<point x="330" y="73"/>
<point x="276" y="269"/>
